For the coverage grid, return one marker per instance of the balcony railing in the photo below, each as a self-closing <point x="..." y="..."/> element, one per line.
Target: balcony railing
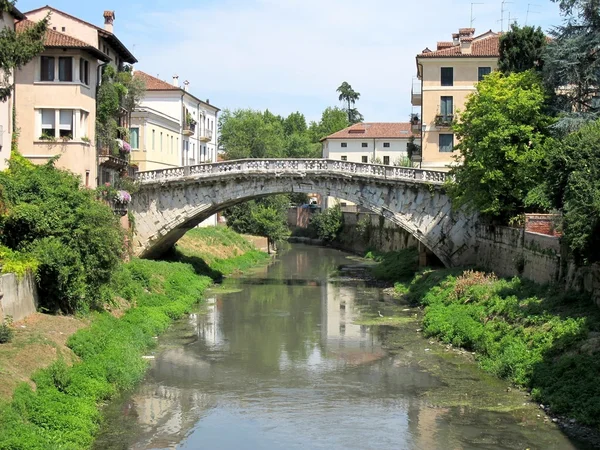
<point x="189" y="129"/>
<point x="444" y="120"/>
<point x="416" y="96"/>
<point x="415" y="123"/>
<point x="206" y="135"/>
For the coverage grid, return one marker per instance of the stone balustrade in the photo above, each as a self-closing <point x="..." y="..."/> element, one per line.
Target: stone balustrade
<point x="293" y="166"/>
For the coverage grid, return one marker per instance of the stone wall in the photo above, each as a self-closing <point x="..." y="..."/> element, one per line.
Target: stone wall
<point x="513" y="251"/>
<point x="18" y="296"/>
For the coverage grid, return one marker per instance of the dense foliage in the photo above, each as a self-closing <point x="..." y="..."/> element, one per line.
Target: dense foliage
<point x="75" y="241"/>
<point x="17" y="49"/>
<point x="502" y="132"/>
<point x="521" y="49"/>
<point x="328" y="223"/>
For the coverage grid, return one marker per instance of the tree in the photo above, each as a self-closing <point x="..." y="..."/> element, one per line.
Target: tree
<point x="295" y="123"/>
<point x="332" y="120"/>
<point x="502" y="132"/>
<point x="17" y="49"/>
<point x="270" y="223"/>
<point x="521" y="49"/>
<point x="350" y="96"/>
<point x="246" y="133"/>
<point x="328" y="223"/>
<point x="572" y="64"/>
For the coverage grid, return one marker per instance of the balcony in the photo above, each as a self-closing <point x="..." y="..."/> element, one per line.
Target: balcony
<point x="444" y="121"/>
<point x="416" y="95"/>
<point x="189" y="128"/>
<point x="415" y="123"/>
<point x="206" y="136"/>
<point x="108" y="160"/>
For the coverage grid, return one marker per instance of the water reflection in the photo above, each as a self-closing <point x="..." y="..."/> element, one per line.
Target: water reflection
<point x="282" y="364"/>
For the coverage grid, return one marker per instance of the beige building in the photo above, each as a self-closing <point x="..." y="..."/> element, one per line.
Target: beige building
<point x="55" y="94"/>
<point x="447" y="77"/>
<point x="172" y="127"/>
<point x="7" y="20"/>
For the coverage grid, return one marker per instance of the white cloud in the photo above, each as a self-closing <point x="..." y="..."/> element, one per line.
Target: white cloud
<point x="291" y="55"/>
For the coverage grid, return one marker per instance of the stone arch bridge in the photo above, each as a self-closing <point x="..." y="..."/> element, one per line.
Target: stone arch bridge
<point x="172" y="201"/>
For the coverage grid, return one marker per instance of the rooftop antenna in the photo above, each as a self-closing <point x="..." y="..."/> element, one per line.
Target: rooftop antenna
<point x="473" y="18"/>
<point x="529" y="10"/>
<point x="511" y="21"/>
<point x="504" y="2"/>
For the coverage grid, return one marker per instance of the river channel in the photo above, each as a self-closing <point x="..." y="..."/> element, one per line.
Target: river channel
<point x="278" y="359"/>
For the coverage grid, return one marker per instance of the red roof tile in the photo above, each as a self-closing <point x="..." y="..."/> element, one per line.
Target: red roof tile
<point x="374" y="130"/>
<point x="483" y="46"/>
<point x="153" y="83"/>
<point x="55" y="39"/>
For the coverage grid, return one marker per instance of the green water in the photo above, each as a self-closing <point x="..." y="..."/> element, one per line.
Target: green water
<point x="277" y="360"/>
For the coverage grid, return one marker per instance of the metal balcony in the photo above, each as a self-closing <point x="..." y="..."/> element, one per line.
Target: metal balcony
<point x="416" y="94"/>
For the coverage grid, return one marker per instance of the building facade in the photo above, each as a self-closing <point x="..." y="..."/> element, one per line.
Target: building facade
<point x="55" y="93"/>
<point x="371" y="142"/>
<point x="7" y="20"/>
<point x="447" y="77"/>
<point x="172" y="127"/>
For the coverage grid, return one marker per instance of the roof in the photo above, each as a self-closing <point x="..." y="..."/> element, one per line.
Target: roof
<point x="374" y="130"/>
<point x="486" y="45"/>
<point x="15" y="12"/>
<point x="156" y="84"/>
<point x="55" y="39"/>
<point x="114" y="41"/>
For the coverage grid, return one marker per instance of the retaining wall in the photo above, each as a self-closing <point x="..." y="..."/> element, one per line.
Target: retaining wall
<point x="18" y="296"/>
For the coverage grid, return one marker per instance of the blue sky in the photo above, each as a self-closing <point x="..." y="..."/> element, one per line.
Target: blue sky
<point x="290" y="55"/>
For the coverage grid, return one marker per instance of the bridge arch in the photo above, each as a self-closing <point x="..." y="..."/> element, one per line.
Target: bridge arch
<point x="173" y="201"/>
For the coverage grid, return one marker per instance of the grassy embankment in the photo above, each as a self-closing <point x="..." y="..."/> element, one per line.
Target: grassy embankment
<point x="62" y="412"/>
<point x="538" y="337"/>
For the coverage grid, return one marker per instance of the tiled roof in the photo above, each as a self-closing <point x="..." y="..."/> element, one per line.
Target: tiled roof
<point x="486" y="46"/>
<point x="374" y="130"/>
<point x="55" y="39"/>
<point x="115" y="42"/>
<point x="153" y="83"/>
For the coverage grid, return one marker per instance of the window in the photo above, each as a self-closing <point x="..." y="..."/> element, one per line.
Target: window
<point x="446" y="143"/>
<point x="482" y="72"/>
<point x="344" y="144"/>
<point x="447" y="76"/>
<point x="83" y="124"/>
<point x="386" y="160"/>
<point x="386" y="145"/>
<point x="365" y="159"/>
<point x="66" y="123"/>
<point x="87" y="178"/>
<point x="446" y="106"/>
<point x="84" y="71"/>
<point x="47" y="68"/>
<point x="344" y="158"/>
<point x="365" y="145"/>
<point x="171" y="144"/>
<point x="64" y="29"/>
<point x="161" y="140"/>
<point x="65" y="68"/>
<point x="48" y="123"/>
<point x="153" y="138"/>
<point x="134" y="137"/>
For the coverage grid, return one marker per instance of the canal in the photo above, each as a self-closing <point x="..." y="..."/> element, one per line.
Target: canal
<point x="285" y="357"/>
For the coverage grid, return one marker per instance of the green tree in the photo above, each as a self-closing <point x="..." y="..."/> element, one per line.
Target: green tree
<point x="502" y="132"/>
<point x="246" y="133"/>
<point x="270" y="223"/>
<point x="572" y="64"/>
<point x="295" y="123"/>
<point x="349" y="96"/>
<point x="333" y="119"/>
<point x="328" y="223"/>
<point x="521" y="49"/>
<point x="17" y="49"/>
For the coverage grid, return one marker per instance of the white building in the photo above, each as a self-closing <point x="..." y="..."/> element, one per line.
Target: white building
<point x="172" y="127"/>
<point x="7" y="20"/>
<point x="371" y="142"/>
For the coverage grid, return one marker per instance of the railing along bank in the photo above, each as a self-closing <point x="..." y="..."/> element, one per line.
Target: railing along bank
<point x="292" y="166"/>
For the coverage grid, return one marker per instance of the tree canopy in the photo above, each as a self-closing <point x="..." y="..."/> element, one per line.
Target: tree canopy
<point x="502" y="132"/>
<point x="349" y="96"/>
<point x="521" y="49"/>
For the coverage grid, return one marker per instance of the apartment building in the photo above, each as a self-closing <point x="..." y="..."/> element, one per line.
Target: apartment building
<point x="55" y="93"/>
<point x="7" y="20"/>
<point x="447" y="76"/>
<point x="172" y="127"/>
<point x="370" y="142"/>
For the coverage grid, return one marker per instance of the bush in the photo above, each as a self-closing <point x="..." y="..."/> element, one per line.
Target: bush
<point x="6" y="333"/>
<point x="328" y="223"/>
<point x="395" y="266"/>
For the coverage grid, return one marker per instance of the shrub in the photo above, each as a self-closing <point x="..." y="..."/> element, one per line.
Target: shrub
<point x="6" y="332"/>
<point x="328" y="223"/>
<point x="395" y="266"/>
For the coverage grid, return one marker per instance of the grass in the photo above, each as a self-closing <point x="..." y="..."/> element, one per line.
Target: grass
<point x="538" y="337"/>
<point x="63" y="410"/>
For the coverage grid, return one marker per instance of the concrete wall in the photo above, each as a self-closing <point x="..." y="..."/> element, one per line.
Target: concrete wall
<point x="18" y="297"/>
<point x="513" y="251"/>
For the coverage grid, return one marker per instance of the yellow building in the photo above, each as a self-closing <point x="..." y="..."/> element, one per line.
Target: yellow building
<point x="55" y="94"/>
<point x="447" y="77"/>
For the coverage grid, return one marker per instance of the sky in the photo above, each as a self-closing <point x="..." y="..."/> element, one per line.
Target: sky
<point x="291" y="55"/>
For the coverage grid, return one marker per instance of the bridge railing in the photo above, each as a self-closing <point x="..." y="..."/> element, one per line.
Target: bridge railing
<point x="292" y="166"/>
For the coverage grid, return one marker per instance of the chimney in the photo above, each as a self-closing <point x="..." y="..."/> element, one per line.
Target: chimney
<point x="455" y="38"/>
<point x="466" y="39"/>
<point x="176" y="80"/>
<point x="208" y="101"/>
<point x="109" y="18"/>
<point x="186" y="85"/>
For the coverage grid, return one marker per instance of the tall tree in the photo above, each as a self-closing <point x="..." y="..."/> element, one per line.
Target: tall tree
<point x="572" y="63"/>
<point x="294" y="123"/>
<point x="17" y="49"/>
<point x="332" y="120"/>
<point x="349" y="96"/>
<point x="502" y="132"/>
<point x="521" y="49"/>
